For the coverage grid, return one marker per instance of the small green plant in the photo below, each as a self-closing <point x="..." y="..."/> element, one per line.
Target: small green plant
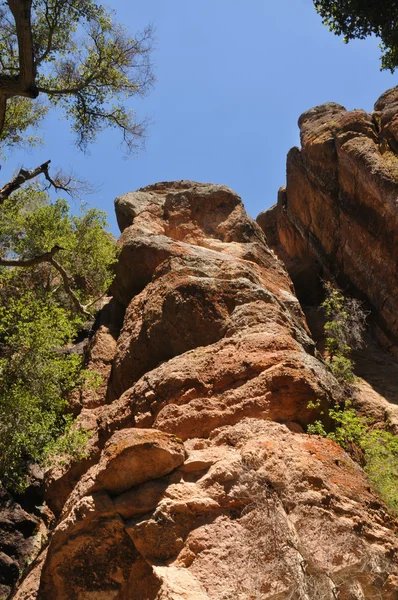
<point x="71" y="445"/>
<point x="379" y="448"/>
<point x="314" y="405"/>
<point x="344" y="329"/>
<point x="317" y="428"/>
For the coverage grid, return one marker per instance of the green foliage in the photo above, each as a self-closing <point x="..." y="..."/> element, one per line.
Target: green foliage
<point x="37" y="320"/>
<point x="34" y="381"/>
<point x="22" y="114"/>
<point x="380" y="449"/>
<point x="342" y="368"/>
<point x="71" y="444"/>
<point x="350" y="428"/>
<point x="317" y="428"/>
<point x="30" y="225"/>
<point x="381" y="454"/>
<point x="344" y="330"/>
<point x="85" y="63"/>
<point x="358" y="19"/>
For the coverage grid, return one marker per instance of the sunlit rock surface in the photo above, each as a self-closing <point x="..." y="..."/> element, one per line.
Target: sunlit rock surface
<point x="201" y="483"/>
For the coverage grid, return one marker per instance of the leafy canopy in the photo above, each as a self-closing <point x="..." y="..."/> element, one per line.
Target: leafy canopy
<point x="38" y="317"/>
<point x="74" y="55"/>
<point x="357" y="19"/>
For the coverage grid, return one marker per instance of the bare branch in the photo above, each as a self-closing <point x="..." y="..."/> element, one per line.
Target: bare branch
<point x="56" y="183"/>
<point x="48" y="257"/>
<point x="31" y="262"/>
<point x="25" y="175"/>
<point x="80" y="308"/>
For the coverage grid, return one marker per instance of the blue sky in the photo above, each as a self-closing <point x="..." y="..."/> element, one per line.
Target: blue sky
<point x="233" y="77"/>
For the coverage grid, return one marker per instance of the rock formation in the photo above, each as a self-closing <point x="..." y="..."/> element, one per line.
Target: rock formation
<point x="338" y="215"/>
<point x="200" y="482"/>
<point x="338" y="218"/>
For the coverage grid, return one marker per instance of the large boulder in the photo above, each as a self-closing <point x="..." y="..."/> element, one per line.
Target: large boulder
<point x="254" y="511"/>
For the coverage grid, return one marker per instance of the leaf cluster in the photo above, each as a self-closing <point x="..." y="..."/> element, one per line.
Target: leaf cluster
<point x="344" y="331"/>
<point x="358" y="19"/>
<point x="37" y="320"/>
<point x="31" y="225"/>
<point x="380" y="449"/>
<point x="84" y="62"/>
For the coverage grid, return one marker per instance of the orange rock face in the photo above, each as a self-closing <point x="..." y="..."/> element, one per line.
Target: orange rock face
<point x="201" y="483"/>
<point x="338" y="214"/>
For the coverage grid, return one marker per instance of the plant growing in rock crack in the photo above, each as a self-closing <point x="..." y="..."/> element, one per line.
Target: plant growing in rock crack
<point x="344" y="328"/>
<point x="378" y="448"/>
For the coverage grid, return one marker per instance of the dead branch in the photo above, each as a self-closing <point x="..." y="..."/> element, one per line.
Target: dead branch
<point x="25" y="175"/>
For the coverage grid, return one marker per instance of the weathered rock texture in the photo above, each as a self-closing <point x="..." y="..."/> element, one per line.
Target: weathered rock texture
<point x="338" y="215"/>
<point x="201" y="484"/>
<point x="21" y="538"/>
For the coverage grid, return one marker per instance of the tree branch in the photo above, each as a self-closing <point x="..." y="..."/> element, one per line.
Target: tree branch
<point x="25" y="175"/>
<point x="48" y="257"/>
<point x="79" y="307"/>
<point x="30" y="262"/>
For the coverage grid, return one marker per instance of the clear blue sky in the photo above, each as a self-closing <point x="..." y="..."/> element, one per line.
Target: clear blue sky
<point x="233" y="76"/>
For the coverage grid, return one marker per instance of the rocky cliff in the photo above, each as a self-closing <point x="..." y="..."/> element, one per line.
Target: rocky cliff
<point x="338" y="214"/>
<point x="200" y="482"/>
<point x="337" y="218"/>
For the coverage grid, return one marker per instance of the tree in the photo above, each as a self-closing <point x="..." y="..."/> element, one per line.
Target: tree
<point x="54" y="266"/>
<point x="358" y="19"/>
<point x="41" y="310"/>
<point x="73" y="55"/>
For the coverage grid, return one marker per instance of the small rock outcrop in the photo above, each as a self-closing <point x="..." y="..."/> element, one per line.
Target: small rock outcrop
<point x="338" y="215"/>
<point x="200" y="482"/>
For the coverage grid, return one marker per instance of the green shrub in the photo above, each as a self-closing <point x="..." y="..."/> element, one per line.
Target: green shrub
<point x="379" y="448"/>
<point x="381" y="454"/>
<point x="344" y="329"/>
<point x="35" y="379"/>
<point x="37" y="319"/>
